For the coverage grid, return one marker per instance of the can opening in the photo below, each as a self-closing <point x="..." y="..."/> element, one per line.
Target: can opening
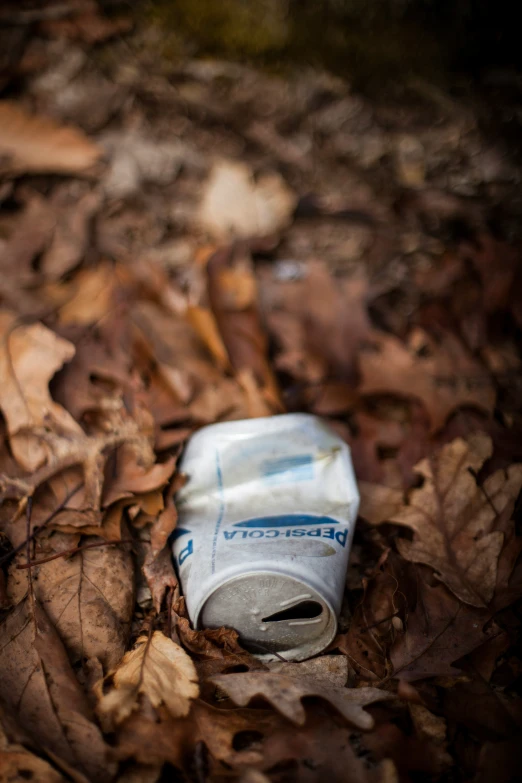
<point x="305" y="610"/>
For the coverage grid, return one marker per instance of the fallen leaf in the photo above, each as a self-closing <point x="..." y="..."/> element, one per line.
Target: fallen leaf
<point x="371" y="633"/>
<point x="89" y="597"/>
<point x="19" y="763"/>
<point x="389" y="442"/>
<point x="444" y="379"/>
<point x="157" y="668"/>
<point x="89" y="452"/>
<point x="74" y="208"/>
<point x="160" y="575"/>
<point x="215" y="649"/>
<point x="99" y="373"/>
<point x="285" y="694"/>
<point x="30" y="143"/>
<point x="438" y="632"/>
<point x="39" y="686"/>
<point x="91" y="295"/>
<point x="174" y="740"/>
<point x="129" y="478"/>
<point x="327" y="671"/>
<point x="236" y="205"/>
<point x="29" y="357"/>
<point x="454" y="519"/>
<point x="136" y="159"/>
<point x="409" y="753"/>
<point x="31" y="234"/>
<point x="319" y="751"/>
<point x="427" y="725"/>
<point x="239" y="322"/>
<point x="318" y="322"/>
<point x="204" y="323"/>
<point x="379" y="503"/>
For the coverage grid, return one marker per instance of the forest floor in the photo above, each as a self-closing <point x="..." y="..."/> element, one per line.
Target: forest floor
<point x="185" y="241"/>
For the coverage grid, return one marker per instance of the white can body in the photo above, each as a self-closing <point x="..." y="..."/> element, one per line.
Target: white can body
<point x="265" y="526"/>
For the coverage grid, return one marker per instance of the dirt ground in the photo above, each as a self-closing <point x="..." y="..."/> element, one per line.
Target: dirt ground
<point x="187" y="240"/>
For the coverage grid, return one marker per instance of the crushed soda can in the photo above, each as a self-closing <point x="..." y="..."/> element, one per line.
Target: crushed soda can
<point x="266" y="521"/>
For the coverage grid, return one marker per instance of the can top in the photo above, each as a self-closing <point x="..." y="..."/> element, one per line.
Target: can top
<point x="275" y="615"/>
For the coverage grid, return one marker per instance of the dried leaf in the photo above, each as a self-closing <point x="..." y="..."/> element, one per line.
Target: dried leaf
<point x="18" y="763"/>
<point x="215" y="649"/>
<point x="285" y="694"/>
<point x="444" y="379"/>
<point x="29" y="357"/>
<point x="438" y="632"/>
<point x="91" y="297"/>
<point x="89" y="597"/>
<point x="30" y="143"/>
<point x="318" y="322"/>
<point x="327" y="671"/>
<point x="379" y="503"/>
<point x="371" y="632"/>
<point x="160" y="575"/>
<point x="156" y="668"/>
<point x="132" y="478"/>
<point x="454" y="519"/>
<point x="234" y="205"/>
<point x="88" y="452"/>
<point x="239" y="323"/>
<point x="74" y="210"/>
<point x="31" y="235"/>
<point x="40" y="688"/>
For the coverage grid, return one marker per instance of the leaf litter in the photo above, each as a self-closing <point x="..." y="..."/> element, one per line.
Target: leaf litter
<point x="172" y="259"/>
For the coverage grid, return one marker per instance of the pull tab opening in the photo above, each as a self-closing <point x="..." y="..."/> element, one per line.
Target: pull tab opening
<point x="305" y="610"/>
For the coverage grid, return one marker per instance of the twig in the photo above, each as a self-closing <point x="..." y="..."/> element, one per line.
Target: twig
<point x="38" y="528"/>
<point x="378" y="622"/>
<point x="28" y="510"/>
<point x="71" y="551"/>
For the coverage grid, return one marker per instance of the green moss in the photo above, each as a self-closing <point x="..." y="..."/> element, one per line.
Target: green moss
<point x="369" y="48"/>
<point x="226" y="27"/>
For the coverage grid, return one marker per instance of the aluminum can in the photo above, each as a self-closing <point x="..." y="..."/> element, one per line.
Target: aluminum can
<point x="266" y="521"/>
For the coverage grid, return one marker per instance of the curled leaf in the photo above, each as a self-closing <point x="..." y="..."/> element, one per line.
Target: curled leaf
<point x="29" y="357"/>
<point x="157" y="668"/>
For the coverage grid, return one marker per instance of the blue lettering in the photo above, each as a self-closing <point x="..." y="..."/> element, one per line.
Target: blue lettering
<point x="272" y="534"/>
<point x="329" y="533"/>
<point x="186" y="552"/>
<point x="315" y="533"/>
<point x="256" y="534"/>
<point x="299" y="533"/>
<point x="341" y="537"/>
<point x="229" y="534"/>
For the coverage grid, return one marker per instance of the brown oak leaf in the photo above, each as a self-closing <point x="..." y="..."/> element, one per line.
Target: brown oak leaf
<point x="442" y="375"/>
<point x="454" y="519"/>
<point x="285" y="694"/>
<point x="438" y="632"/>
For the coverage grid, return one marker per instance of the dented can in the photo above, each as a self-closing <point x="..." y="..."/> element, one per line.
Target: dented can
<point x="266" y="521"/>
